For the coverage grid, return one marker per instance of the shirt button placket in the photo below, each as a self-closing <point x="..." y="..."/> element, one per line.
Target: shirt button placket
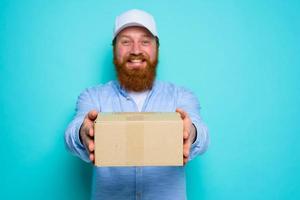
<point x="138" y="196"/>
<point x="139" y="183"/>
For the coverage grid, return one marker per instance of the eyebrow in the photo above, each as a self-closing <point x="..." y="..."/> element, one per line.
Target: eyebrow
<point x="127" y="36"/>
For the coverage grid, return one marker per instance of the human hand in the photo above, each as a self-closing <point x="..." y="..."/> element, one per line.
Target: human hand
<point x="189" y="134"/>
<point x="86" y="133"/>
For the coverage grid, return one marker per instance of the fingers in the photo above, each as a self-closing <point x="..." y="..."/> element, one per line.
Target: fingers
<point x="87" y="133"/>
<point x="186" y="148"/>
<point x="88" y="138"/>
<point x="182" y="113"/>
<point x="87" y="126"/>
<point x="92" y="115"/>
<point x="186" y="151"/>
<point x="91" y="132"/>
<point x="92" y="157"/>
<point x="88" y="123"/>
<point x="186" y="123"/>
<point x="186" y="134"/>
<point x="89" y="145"/>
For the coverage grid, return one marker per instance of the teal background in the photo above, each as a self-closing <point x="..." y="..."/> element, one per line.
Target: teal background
<point x="241" y="58"/>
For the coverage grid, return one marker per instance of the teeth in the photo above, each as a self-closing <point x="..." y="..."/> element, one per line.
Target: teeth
<point x="136" y="61"/>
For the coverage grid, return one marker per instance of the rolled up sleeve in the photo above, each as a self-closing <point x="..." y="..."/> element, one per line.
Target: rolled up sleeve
<point x="85" y="103"/>
<point x="189" y="103"/>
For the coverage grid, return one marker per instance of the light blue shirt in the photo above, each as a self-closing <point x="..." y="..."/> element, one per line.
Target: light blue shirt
<point x="147" y="183"/>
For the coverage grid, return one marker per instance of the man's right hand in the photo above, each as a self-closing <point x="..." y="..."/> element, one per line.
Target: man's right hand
<point x="86" y="133"/>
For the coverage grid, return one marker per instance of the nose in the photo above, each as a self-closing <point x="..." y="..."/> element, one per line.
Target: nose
<point x="136" y="48"/>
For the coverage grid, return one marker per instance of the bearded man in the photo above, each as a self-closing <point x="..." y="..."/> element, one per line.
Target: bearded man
<point x="135" y="49"/>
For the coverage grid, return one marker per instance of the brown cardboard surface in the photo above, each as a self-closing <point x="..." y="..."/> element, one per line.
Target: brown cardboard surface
<point x="138" y="139"/>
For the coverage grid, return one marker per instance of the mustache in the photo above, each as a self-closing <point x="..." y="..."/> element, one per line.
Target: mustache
<point x="137" y="57"/>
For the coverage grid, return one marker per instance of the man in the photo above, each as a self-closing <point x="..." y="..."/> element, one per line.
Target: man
<point x="135" y="48"/>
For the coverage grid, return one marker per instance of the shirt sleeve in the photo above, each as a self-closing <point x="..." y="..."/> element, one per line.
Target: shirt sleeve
<point x="190" y="104"/>
<point x="85" y="103"/>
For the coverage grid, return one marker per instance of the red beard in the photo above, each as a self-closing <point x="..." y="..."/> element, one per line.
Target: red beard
<point x="136" y="80"/>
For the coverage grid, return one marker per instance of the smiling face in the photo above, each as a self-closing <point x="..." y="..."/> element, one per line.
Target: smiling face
<point x="135" y="58"/>
<point x="135" y="45"/>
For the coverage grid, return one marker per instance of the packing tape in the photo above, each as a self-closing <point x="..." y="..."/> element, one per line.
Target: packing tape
<point x="134" y="143"/>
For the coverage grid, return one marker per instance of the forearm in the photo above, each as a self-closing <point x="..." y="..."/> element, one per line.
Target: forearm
<point x="190" y="104"/>
<point x="201" y="140"/>
<point x="193" y="133"/>
<point x="86" y="102"/>
<point x="72" y="140"/>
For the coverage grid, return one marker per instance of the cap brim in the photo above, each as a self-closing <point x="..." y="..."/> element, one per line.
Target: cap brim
<point x="131" y="25"/>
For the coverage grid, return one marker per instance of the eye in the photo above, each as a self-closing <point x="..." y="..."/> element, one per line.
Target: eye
<point x="125" y="42"/>
<point x="145" y="42"/>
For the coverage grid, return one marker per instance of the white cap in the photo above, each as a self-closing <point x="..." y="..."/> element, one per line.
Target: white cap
<point x="135" y="18"/>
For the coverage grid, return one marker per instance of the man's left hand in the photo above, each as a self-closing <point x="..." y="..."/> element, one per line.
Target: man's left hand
<point x="189" y="134"/>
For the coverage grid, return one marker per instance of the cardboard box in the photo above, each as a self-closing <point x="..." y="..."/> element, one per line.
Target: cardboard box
<point x="138" y="139"/>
